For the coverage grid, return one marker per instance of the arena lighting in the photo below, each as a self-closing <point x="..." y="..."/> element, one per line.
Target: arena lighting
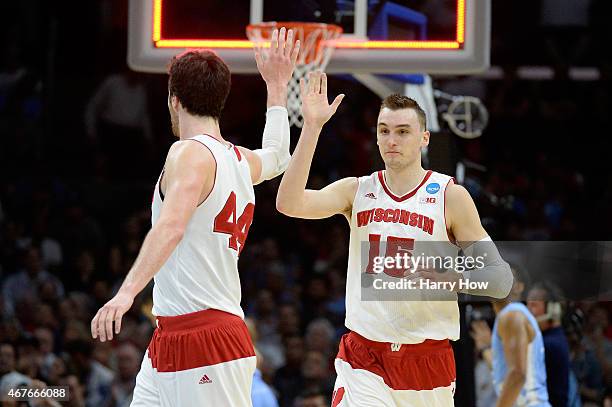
<point x="397" y="45"/>
<point x="461" y="21"/>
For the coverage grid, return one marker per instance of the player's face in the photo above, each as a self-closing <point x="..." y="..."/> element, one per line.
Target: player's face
<point x="399" y="137"/>
<point x="535" y="302"/>
<point x="174" y="119"/>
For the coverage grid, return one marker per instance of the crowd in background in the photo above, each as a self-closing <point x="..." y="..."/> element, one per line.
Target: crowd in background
<point x="83" y="142"/>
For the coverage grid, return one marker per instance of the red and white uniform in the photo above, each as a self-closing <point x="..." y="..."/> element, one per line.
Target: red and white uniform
<point x="398" y="353"/>
<point x="201" y="352"/>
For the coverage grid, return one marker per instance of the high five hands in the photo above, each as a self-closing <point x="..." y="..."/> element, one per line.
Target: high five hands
<point x="277" y="65"/>
<point x="316" y="109"/>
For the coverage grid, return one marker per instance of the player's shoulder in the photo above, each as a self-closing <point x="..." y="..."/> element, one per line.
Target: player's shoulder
<point x="348" y="186"/>
<point x="457" y="194"/>
<point x="189" y="152"/>
<point x="188" y="145"/>
<point x="458" y="203"/>
<point x="511" y="320"/>
<point x="349" y="182"/>
<point x="444" y="180"/>
<point x="253" y="161"/>
<point x="369" y="179"/>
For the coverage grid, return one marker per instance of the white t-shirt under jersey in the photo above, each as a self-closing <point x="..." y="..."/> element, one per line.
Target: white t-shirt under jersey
<point x="202" y="271"/>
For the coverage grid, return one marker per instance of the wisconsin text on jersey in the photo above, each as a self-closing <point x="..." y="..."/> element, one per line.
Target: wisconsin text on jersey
<point x="395" y="216"/>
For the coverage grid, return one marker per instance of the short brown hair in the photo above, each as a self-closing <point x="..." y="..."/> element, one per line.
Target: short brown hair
<point x="397" y="102"/>
<point x="201" y="81"/>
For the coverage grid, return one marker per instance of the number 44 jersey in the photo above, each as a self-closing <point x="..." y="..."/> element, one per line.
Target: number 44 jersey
<point x="380" y="303"/>
<point x="202" y="271"/>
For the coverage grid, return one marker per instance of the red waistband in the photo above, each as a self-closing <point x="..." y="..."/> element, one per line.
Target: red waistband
<point x="428" y="345"/>
<point x="421" y="366"/>
<point x="209" y="318"/>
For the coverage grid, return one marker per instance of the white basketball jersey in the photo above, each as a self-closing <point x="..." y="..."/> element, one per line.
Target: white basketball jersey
<point x="417" y="221"/>
<point x="202" y="271"/>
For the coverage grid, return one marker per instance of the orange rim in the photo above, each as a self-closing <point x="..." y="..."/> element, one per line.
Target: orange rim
<point x="307" y="27"/>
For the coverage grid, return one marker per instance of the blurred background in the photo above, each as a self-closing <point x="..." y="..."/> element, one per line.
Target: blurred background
<point x="83" y="140"/>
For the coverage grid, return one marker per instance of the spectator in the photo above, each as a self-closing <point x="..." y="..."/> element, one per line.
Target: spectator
<point x="84" y="267"/>
<point x="25" y="284"/>
<point x="262" y="394"/>
<point x="51" y="366"/>
<point x="320" y="335"/>
<point x="29" y="357"/>
<point x="481" y="334"/>
<point x="117" y="117"/>
<point x="288" y="379"/>
<point x="96" y="378"/>
<point x="316" y="296"/>
<point x="316" y="372"/>
<point x="51" y="250"/>
<point x="584" y="362"/>
<point x="268" y="339"/>
<point x="597" y="323"/>
<point x="10" y="377"/>
<point x="289" y="320"/>
<point x="336" y="305"/>
<point x="544" y="302"/>
<point x="76" y="390"/>
<point x="314" y="397"/>
<point x="128" y="364"/>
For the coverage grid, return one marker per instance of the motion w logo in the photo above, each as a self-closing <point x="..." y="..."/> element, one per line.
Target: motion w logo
<point x="395" y="347"/>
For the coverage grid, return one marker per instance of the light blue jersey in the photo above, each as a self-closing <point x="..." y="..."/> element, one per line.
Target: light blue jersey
<point x="533" y="393"/>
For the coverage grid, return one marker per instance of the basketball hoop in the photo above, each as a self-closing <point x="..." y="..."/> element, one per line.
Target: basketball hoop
<point x="316" y="47"/>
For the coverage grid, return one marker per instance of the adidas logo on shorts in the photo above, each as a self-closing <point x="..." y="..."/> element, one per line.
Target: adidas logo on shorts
<point x="205" y="379"/>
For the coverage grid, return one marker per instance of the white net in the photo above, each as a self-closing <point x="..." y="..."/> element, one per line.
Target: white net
<point x="316" y="47"/>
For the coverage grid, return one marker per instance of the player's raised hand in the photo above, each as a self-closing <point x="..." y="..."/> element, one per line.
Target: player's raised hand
<point x="111" y="312"/>
<point x="276" y="66"/>
<point x="316" y="109"/>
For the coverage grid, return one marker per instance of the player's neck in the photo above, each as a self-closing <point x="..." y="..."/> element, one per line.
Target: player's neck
<point x="191" y="126"/>
<point x="402" y="181"/>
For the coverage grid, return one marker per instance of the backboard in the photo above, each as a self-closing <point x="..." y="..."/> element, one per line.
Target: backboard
<point x="401" y="36"/>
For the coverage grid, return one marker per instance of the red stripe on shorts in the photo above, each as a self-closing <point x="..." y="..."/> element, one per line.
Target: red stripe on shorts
<point x="202" y="338"/>
<point x="422" y="366"/>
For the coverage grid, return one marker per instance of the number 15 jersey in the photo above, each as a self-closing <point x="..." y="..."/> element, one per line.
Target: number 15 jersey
<point x="202" y="271"/>
<point x="382" y="226"/>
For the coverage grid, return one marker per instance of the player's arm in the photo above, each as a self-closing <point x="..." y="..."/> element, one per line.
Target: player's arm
<point x="189" y="174"/>
<point x="293" y="198"/>
<point x="512" y="329"/>
<point x="276" y="69"/>
<point x="464" y="224"/>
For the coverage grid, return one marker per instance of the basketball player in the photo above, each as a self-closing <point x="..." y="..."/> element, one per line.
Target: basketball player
<point x="201" y="352"/>
<point x="398" y="352"/>
<point x="515" y="351"/>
